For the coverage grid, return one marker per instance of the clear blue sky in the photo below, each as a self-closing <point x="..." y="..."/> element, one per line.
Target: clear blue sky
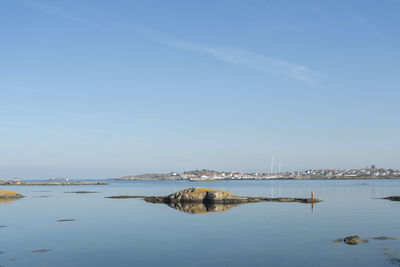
<point x="110" y="88"/>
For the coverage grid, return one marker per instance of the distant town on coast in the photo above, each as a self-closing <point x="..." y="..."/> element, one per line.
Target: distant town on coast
<point x="210" y="175"/>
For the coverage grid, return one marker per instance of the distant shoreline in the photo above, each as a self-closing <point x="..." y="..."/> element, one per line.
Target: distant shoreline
<point x="263" y="179"/>
<point x="11" y="183"/>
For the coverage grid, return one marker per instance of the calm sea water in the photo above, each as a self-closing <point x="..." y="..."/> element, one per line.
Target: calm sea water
<point x="131" y="232"/>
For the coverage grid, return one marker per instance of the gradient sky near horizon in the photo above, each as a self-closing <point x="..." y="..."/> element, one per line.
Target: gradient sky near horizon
<point x="95" y="89"/>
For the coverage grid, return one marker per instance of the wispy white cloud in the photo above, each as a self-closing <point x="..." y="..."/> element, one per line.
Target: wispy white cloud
<point x="256" y="61"/>
<point x="250" y="59"/>
<point x="51" y="9"/>
<point x="269" y="65"/>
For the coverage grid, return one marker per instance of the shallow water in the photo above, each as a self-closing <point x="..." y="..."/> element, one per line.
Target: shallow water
<point x="132" y="232"/>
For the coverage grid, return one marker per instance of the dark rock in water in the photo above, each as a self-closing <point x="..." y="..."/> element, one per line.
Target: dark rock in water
<point x="40" y="250"/>
<point x="384" y="238"/>
<point x="66" y="220"/>
<point x="287" y="199"/>
<point x="393" y="198"/>
<point x="126" y="196"/>
<point x="352" y="240"/>
<point x="83" y="192"/>
<point x="2" y="226"/>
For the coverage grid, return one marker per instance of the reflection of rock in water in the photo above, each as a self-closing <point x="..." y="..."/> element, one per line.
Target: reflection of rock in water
<point x="393" y="198"/>
<point x="7" y="200"/>
<point x="198" y="208"/>
<point x="8" y="196"/>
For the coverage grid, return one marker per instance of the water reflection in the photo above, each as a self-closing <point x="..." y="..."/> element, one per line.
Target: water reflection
<point x="7" y="200"/>
<point x="200" y="208"/>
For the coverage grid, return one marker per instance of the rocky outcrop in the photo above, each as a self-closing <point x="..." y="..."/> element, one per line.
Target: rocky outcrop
<point x="393" y="198"/>
<point x="352" y="240"/>
<point x="6" y="194"/>
<point x="199" y="195"/>
<point x="203" y="195"/>
<point x="355" y="239"/>
<point x="202" y="200"/>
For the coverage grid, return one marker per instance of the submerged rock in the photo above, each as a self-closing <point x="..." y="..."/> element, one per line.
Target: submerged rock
<point x="384" y="238"/>
<point x="40" y="250"/>
<point x="66" y="220"/>
<point x="82" y="192"/>
<point x="126" y="196"/>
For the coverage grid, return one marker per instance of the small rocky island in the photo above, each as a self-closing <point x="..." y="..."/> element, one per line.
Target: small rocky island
<point x="6" y="194"/>
<point x="202" y="200"/>
<point x="393" y="198"/>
